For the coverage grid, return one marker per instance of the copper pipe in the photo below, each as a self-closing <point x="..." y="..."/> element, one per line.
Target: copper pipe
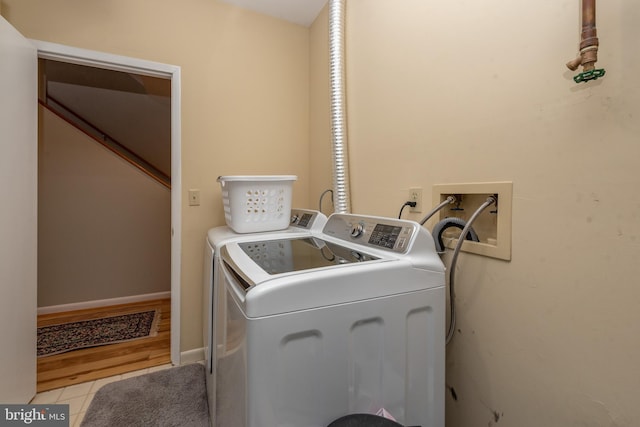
<point x="589" y="39"/>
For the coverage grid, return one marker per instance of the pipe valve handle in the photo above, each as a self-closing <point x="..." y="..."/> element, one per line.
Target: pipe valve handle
<point x="589" y="75"/>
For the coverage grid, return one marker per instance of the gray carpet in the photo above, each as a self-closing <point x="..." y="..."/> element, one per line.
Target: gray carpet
<point x="175" y="397"/>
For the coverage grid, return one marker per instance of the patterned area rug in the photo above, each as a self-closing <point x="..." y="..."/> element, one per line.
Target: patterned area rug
<point x="55" y="339"/>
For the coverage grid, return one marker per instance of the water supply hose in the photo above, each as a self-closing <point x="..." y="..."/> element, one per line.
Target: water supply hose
<point x="449" y="200"/>
<point x="454" y="259"/>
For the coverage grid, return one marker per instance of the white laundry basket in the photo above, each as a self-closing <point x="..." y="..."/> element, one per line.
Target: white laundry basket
<point x="254" y="203"/>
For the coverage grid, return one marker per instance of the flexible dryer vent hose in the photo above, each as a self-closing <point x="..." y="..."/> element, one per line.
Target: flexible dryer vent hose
<point x="341" y="196"/>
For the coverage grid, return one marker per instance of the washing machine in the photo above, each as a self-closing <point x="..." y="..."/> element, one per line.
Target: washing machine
<point x="303" y="223"/>
<point x="347" y="320"/>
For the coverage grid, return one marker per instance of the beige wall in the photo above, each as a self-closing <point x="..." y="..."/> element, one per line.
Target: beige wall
<point x="468" y="91"/>
<point x="104" y="227"/>
<point x="245" y="96"/>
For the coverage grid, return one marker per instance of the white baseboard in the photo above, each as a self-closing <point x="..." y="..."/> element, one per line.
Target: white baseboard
<point x="192" y="356"/>
<point x="102" y="303"/>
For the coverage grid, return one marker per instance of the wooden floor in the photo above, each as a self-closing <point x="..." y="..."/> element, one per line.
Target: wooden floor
<point x="89" y="364"/>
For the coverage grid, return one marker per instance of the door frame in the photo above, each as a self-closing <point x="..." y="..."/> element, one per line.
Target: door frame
<point x="63" y="53"/>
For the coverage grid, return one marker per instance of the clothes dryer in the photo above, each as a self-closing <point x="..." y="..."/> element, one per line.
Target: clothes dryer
<point x="303" y="223"/>
<point x="311" y="328"/>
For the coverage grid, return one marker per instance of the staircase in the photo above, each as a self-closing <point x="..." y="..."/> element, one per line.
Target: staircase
<point x="127" y="114"/>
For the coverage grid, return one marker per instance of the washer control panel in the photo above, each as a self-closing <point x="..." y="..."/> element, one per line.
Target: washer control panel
<point x="382" y="233"/>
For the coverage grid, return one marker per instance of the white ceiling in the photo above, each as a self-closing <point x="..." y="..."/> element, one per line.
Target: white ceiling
<point x="302" y="12"/>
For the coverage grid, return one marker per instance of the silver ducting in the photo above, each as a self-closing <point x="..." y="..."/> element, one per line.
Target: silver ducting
<point x="341" y="196"/>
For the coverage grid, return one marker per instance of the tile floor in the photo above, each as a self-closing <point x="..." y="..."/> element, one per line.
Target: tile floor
<point x="79" y="396"/>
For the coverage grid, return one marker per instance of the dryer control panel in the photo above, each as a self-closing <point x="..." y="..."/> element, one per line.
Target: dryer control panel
<point x="307" y="219"/>
<point x="382" y="233"/>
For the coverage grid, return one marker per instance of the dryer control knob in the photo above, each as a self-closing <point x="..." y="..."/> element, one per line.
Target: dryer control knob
<point x="357" y="230"/>
<point x="294" y="219"/>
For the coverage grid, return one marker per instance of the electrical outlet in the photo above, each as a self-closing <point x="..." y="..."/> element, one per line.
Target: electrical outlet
<point x="415" y="195"/>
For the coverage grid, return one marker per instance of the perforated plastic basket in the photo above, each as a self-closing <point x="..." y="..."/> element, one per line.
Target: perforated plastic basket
<point x="254" y="203"/>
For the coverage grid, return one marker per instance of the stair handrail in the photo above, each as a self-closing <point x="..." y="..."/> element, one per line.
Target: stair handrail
<point x="105" y="140"/>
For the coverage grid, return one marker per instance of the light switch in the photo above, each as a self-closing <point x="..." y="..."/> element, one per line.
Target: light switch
<point x="194" y="197"/>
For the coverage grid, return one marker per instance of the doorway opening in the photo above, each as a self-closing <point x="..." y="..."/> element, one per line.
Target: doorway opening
<point x="143" y="79"/>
